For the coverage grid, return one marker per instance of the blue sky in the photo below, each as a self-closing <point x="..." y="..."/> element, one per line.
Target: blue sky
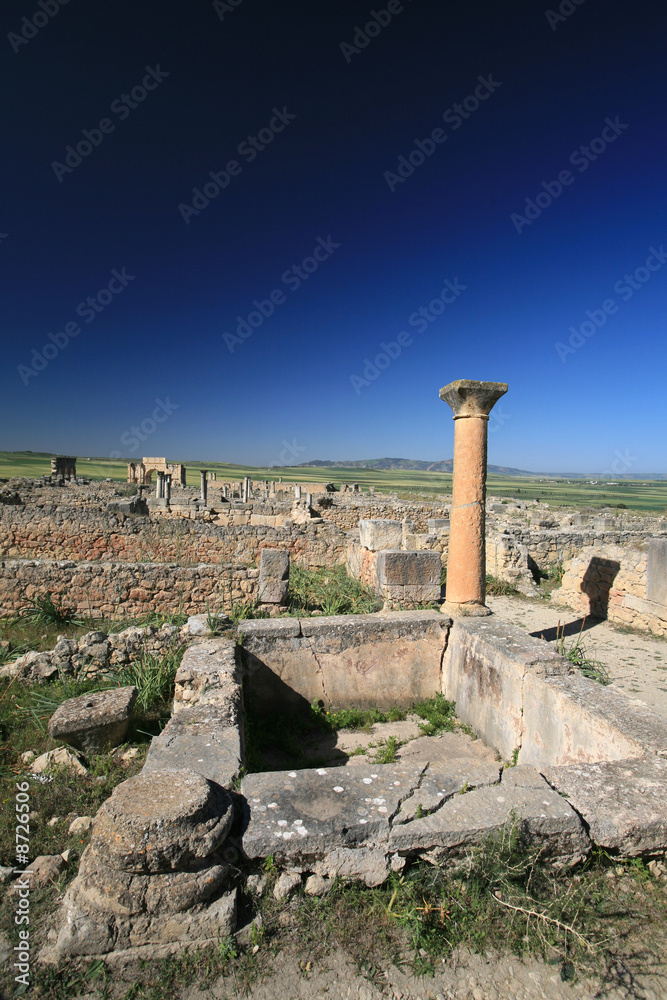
<point x="307" y="115"/>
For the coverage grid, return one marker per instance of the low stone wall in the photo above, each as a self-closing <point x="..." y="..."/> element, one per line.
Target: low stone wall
<point x="610" y="581"/>
<point x="124" y="589"/>
<point x="94" y="654"/>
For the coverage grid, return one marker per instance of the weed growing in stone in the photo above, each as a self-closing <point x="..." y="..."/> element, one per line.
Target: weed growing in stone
<point x="153" y="677"/>
<point x="328" y="592"/>
<point x="576" y="654"/>
<point x="438" y="715"/>
<point x="499" y="588"/>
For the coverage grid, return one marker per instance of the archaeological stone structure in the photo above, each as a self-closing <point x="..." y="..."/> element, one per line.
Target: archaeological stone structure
<point x="572" y="764"/>
<point x="141" y="474"/>
<point x="471" y="403"/>
<point x="63" y="467"/>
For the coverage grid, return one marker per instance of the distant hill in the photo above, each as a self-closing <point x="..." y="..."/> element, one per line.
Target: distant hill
<point x="412" y="464"/>
<point x="447" y="464"/>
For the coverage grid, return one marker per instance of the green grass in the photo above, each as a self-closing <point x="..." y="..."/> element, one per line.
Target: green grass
<point x="153" y="676"/>
<point x="577" y="655"/>
<point x="329" y="591"/>
<point x="499" y="588"/>
<point x="637" y="495"/>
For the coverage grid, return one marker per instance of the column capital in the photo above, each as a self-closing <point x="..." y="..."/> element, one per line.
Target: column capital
<point x="472" y="399"/>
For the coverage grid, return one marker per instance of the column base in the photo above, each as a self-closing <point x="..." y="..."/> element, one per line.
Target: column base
<point x="465" y="609"/>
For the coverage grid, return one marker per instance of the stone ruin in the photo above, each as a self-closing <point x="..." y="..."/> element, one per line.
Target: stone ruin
<point x="591" y="765"/>
<point x="141" y="474"/>
<point x="63" y="467"/>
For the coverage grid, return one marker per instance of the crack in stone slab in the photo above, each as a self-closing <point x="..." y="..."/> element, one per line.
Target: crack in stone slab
<point x="410" y="794"/>
<point x="319" y="671"/>
<point x="430" y="810"/>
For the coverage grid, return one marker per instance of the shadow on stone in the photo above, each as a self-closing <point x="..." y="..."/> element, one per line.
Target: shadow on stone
<point x="597" y="583"/>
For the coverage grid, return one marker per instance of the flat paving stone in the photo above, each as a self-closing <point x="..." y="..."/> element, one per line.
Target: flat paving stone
<point x="311" y="812"/>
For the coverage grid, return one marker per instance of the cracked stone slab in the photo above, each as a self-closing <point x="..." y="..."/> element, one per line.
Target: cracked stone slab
<point x="624" y="803"/>
<point x="302" y="814"/>
<point x="466" y="819"/>
<point x="441" y="781"/>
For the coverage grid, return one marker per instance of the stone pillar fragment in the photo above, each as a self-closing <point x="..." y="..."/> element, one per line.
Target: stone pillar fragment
<point x="158" y="486"/>
<point x="167" y="491"/>
<point x="471" y="403"/>
<point x="202" y="473"/>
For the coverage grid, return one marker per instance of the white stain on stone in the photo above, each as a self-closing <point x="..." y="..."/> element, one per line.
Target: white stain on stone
<point x="321" y="770"/>
<point x="338" y="788"/>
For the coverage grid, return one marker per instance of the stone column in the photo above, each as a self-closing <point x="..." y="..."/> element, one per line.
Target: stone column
<point x="297" y="492"/>
<point x="202" y="473"/>
<point x="471" y="403"/>
<point x="158" y="485"/>
<point x="309" y="499"/>
<point x="167" y="491"/>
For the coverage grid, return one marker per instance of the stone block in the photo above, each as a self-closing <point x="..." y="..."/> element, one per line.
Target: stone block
<point x="344" y="660"/>
<point x="273" y="576"/>
<point x="571" y="719"/>
<point x="95" y="722"/>
<point x="380" y="533"/>
<point x="656" y="573"/>
<point x="603" y="523"/>
<point x="624" y="803"/>
<point x="200" y="738"/>
<point x="409" y="569"/>
<point x="484" y="670"/>
<point x="436" y="524"/>
<point x="541" y="814"/>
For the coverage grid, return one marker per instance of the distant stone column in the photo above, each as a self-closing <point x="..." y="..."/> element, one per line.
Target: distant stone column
<point x="309" y="499"/>
<point x="471" y="403"/>
<point x="297" y="492"/>
<point x="158" y="486"/>
<point x="202" y="473"/>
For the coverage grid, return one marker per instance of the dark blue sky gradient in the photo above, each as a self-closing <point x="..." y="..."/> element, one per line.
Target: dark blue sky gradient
<point x="161" y="338"/>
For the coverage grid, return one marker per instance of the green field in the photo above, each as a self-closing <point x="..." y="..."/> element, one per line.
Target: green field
<point x="636" y="495"/>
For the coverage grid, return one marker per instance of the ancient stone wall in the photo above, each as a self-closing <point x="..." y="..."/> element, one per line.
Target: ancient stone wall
<point x="609" y="581"/>
<point x="121" y="589"/>
<point x="76" y="533"/>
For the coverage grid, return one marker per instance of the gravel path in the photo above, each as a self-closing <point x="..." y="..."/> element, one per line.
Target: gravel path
<point x="636" y="661"/>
